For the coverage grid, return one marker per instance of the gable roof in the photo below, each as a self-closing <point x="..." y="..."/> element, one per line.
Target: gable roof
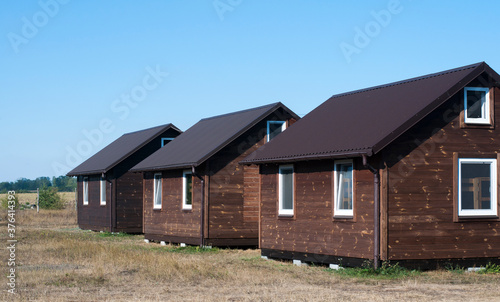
<point x="206" y="138"/>
<point x="363" y="122"/>
<point x="119" y="150"/>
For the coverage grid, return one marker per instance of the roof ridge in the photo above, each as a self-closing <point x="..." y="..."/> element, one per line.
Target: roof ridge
<point x="420" y="78"/>
<point x="241" y="111"/>
<point x="147" y="129"/>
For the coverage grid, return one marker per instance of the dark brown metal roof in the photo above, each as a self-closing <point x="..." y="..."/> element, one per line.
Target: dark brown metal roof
<point x="365" y="121"/>
<point x="205" y="138"/>
<point x="119" y="150"/>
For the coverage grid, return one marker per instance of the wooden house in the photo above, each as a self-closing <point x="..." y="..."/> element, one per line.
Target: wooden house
<point x="109" y="196"/>
<point x="195" y="190"/>
<point x="405" y="172"/>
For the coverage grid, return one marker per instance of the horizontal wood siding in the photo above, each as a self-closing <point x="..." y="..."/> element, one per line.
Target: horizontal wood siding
<point x="94" y="216"/>
<point x="171" y="220"/>
<point x="312" y="229"/>
<point x="129" y="202"/>
<point x="251" y="193"/>
<point x="420" y="189"/>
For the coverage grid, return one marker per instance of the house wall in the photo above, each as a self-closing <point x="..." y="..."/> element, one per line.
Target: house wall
<point x="93" y="216"/>
<point x="124" y="207"/>
<point x="420" y="191"/>
<point x="171" y="223"/>
<point x="312" y="231"/>
<point x="229" y="220"/>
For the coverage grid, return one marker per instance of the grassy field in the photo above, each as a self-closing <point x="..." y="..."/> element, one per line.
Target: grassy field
<point x="58" y="262"/>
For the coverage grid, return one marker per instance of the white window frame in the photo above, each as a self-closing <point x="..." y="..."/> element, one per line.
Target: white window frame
<point x="157" y="183"/>
<point x="283" y="127"/>
<point x="166" y="140"/>
<point x="281" y="210"/>
<point x="85" y="184"/>
<point x="485" y="108"/>
<point x="102" y="191"/>
<point x="493" y="189"/>
<point x="186" y="206"/>
<point x="337" y="212"/>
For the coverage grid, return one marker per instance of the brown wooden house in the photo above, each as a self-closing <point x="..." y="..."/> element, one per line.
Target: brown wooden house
<point x="404" y="172"/>
<point x="109" y="196"/>
<point x="195" y="190"/>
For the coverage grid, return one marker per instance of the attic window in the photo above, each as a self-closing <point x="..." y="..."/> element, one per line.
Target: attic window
<point x="477" y="105"/>
<point x="166" y="140"/>
<point x="477" y="187"/>
<point x="274" y="128"/>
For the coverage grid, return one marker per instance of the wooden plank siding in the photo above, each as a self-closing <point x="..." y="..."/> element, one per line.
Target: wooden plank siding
<point x="422" y="220"/>
<point x="93" y="216"/>
<point x="129" y="203"/>
<point x="312" y="229"/>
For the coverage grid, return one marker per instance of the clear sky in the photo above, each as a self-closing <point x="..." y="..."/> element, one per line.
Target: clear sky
<point x="75" y="75"/>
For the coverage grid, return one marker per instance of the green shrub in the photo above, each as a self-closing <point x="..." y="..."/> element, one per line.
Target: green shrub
<point x="50" y="200"/>
<point x="490" y="268"/>
<point x="5" y="201"/>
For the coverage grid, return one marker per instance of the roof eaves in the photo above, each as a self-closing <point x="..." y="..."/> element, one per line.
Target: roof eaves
<point x="315" y="156"/>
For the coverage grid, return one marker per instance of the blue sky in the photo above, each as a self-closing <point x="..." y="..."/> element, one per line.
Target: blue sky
<point x="111" y="67"/>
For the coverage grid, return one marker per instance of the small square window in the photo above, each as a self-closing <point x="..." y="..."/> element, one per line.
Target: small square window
<point x="187" y="190"/>
<point x="477" y="187"/>
<point x="103" y="192"/>
<point x="85" y="191"/>
<point x="274" y="128"/>
<point x="343" y="188"/>
<point x="286" y="190"/>
<point x="476" y="105"/>
<point x="166" y="140"/>
<point x="157" y="191"/>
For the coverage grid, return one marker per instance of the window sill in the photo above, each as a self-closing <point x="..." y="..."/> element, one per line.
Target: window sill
<point x="485" y="218"/>
<point x="157" y="209"/>
<point x="286" y="216"/>
<point x="344" y="218"/>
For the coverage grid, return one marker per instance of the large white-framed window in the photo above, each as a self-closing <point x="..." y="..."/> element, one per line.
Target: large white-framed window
<point x="274" y="128"/>
<point x="476" y="105"/>
<point x="477" y="187"/>
<point x="85" y="183"/>
<point x="187" y="190"/>
<point x="285" y="190"/>
<point x="103" y="191"/>
<point x="343" y="189"/>
<point x="157" y="191"/>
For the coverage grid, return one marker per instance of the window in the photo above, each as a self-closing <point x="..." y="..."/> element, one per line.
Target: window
<point x="274" y="128"/>
<point x="477" y="187"/>
<point x="103" y="192"/>
<point x="187" y="190"/>
<point x="286" y="190"/>
<point x="85" y="191"/>
<point x="166" y="140"/>
<point x="157" y="192"/>
<point x="476" y="105"/>
<point x="343" y="188"/>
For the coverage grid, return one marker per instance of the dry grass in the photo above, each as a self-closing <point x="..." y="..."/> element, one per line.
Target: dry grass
<point x="59" y="262"/>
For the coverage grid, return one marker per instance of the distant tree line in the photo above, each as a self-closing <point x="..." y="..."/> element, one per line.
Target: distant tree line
<point x="62" y="183"/>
